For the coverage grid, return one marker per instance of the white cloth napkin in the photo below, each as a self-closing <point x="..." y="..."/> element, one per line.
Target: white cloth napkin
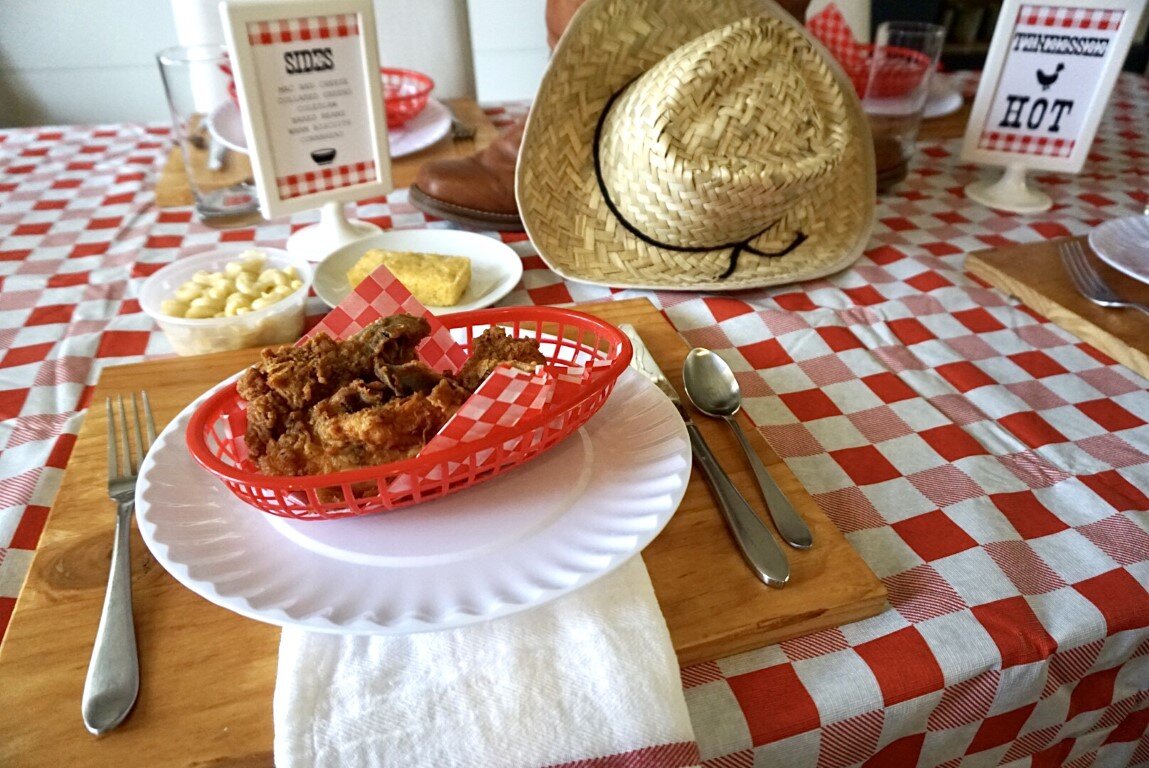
<point x="589" y="676"/>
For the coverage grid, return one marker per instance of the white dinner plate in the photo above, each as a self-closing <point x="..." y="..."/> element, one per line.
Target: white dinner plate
<point x="542" y="530"/>
<point x="421" y="131"/>
<point x="495" y="267"/>
<point x="943" y="99"/>
<point x="1124" y="245"/>
<point x="418" y="133"/>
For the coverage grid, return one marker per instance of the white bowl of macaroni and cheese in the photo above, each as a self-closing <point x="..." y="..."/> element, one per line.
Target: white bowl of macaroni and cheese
<point x="229" y="299"/>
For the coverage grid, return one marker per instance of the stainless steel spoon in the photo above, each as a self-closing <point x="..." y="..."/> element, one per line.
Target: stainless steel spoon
<point x="712" y="388"/>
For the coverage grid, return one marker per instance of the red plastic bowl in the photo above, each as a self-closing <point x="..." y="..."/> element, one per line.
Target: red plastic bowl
<point x="405" y="94"/>
<point x="215" y="433"/>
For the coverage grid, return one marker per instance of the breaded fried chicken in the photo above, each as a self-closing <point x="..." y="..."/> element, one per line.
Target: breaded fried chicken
<point x="327" y="405"/>
<point x="289" y="381"/>
<point x="494" y="348"/>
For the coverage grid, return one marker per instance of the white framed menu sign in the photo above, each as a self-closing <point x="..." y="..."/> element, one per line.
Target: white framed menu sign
<point x="1048" y="75"/>
<point x="309" y="92"/>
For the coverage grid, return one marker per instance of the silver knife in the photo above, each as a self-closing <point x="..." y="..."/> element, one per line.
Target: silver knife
<point x="754" y="539"/>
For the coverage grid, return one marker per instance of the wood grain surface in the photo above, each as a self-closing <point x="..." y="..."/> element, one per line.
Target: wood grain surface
<point x="207" y="675"/>
<point x="951" y="126"/>
<point x="1033" y="273"/>
<point x="172" y="190"/>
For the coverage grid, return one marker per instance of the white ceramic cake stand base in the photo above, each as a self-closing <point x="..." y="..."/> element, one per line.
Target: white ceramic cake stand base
<point x="1009" y="193"/>
<point x="334" y="230"/>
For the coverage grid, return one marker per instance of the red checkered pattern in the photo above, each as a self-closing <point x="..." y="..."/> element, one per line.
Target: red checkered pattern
<point x="1022" y="144"/>
<point x="303" y="29"/>
<point x="992" y="469"/>
<point x="1069" y="18"/>
<point x="325" y="179"/>
<point x="381" y="295"/>
<point x="507" y="396"/>
<point x="832" y="30"/>
<point x="502" y="400"/>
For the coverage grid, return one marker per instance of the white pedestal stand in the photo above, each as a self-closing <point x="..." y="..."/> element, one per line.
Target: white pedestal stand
<point x="334" y="230"/>
<point x="1009" y="193"/>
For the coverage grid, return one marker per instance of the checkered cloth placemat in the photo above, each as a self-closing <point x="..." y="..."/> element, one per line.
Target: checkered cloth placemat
<point x="992" y="469"/>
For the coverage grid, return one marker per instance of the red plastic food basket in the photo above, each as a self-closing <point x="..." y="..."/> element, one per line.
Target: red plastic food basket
<point x="215" y="433"/>
<point x="405" y="94"/>
<point x="901" y="70"/>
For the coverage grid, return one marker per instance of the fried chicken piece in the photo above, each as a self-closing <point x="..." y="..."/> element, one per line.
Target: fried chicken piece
<point x="390" y="340"/>
<point x="304" y="375"/>
<point x="328" y="406"/>
<point x="407" y="379"/>
<point x="290" y="380"/>
<point x="381" y="434"/>
<point x="494" y="348"/>
<point x="339" y="435"/>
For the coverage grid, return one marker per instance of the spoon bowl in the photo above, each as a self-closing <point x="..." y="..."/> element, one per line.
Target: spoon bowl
<point x="710" y="384"/>
<point x="713" y="389"/>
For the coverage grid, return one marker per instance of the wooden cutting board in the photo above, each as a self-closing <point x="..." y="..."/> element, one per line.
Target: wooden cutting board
<point x="207" y="675"/>
<point x="1033" y="273"/>
<point x="172" y="190"/>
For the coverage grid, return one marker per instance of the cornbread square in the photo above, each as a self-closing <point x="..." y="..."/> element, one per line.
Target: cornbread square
<point x="434" y="279"/>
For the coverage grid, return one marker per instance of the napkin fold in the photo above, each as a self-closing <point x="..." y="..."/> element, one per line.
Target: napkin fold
<point x="589" y="679"/>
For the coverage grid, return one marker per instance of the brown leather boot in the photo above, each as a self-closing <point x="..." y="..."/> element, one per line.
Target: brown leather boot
<point x="476" y="191"/>
<point x="479" y="191"/>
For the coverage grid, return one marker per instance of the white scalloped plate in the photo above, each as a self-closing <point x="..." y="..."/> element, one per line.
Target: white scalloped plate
<point x="568" y="517"/>
<point x="1124" y="245"/>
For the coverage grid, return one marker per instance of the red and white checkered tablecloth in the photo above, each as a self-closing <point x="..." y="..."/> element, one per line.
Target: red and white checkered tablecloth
<point x="992" y="469"/>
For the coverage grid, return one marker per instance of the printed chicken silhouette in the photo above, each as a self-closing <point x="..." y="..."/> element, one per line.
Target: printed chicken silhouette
<point x="1048" y="80"/>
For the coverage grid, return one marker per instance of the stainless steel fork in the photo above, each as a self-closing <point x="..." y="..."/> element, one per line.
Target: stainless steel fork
<point x="460" y="130"/>
<point x="1088" y="282"/>
<point x="114" y="672"/>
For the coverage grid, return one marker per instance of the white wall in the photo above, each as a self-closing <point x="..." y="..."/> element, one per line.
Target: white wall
<point x="92" y="61"/>
<point x="509" y="40"/>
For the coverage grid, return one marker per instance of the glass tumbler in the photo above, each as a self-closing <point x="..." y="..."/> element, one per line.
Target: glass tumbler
<point x="204" y="117"/>
<point x="904" y="57"/>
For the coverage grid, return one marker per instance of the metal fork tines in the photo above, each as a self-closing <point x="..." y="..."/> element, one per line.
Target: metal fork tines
<point x="460" y="130"/>
<point x="113" y="679"/>
<point x="1088" y="282"/>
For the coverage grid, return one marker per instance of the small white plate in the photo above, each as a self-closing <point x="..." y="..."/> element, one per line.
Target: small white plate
<point x="418" y="133"/>
<point x="1124" y="245"/>
<point x="547" y="528"/>
<point x="495" y="268"/>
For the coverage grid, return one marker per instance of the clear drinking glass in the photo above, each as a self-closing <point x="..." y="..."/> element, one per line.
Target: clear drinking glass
<point x="196" y="82"/>
<point x="904" y="57"/>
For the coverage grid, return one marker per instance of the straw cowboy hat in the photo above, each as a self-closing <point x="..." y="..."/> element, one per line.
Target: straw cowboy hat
<point x="695" y="145"/>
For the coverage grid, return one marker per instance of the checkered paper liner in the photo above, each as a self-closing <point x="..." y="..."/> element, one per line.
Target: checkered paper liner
<point x="380" y="295"/>
<point x="831" y="29"/>
<point x="504" y="399"/>
<point x="509" y="419"/>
